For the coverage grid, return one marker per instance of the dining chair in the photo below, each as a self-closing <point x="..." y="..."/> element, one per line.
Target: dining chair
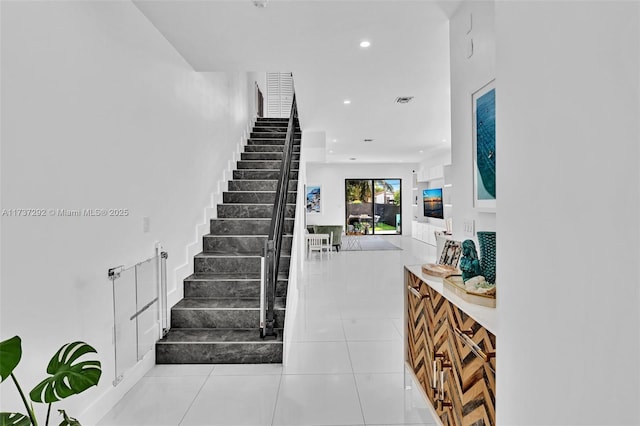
<point x="315" y="243"/>
<point x="328" y="245"/>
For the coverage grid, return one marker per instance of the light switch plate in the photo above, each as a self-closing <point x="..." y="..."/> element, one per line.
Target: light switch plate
<point x="469" y="227"/>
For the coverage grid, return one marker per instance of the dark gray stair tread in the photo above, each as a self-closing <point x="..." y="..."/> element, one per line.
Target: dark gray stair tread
<point x="253" y="148"/>
<point x="223" y="303"/>
<point x="248" y="225"/>
<point x="245" y="174"/>
<point x="231" y="255"/>
<point x="265" y="170"/>
<point x="229" y="276"/>
<point x="247" y="218"/>
<point x="253" y="204"/>
<point x="290" y="191"/>
<point x="242" y="235"/>
<point x="269" y="141"/>
<point x="218" y="335"/>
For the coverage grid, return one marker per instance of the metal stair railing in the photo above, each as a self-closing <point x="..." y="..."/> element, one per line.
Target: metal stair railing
<point x="273" y="245"/>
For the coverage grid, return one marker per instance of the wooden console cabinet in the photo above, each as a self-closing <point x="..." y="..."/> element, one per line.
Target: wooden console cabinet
<point x="451" y="354"/>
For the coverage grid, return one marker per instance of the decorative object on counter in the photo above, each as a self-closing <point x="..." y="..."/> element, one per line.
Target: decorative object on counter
<point x="439" y="270"/>
<point x="487" y="241"/>
<point x="451" y="253"/>
<point x="479" y="285"/>
<point x="448" y="263"/>
<point x="474" y="290"/>
<point x="469" y="264"/>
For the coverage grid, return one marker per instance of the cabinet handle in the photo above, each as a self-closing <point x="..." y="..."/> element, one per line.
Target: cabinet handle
<point x="474" y="348"/>
<point x="467" y="332"/>
<point x="416" y="293"/>
<point x="445" y="404"/>
<point x="434" y="385"/>
<point x="471" y="344"/>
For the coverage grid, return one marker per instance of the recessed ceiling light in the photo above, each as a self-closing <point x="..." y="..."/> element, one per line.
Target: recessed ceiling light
<point x="330" y="151"/>
<point x="334" y="140"/>
<point x="444" y="140"/>
<point x="421" y="151"/>
<point x="365" y="43"/>
<point x="347" y="101"/>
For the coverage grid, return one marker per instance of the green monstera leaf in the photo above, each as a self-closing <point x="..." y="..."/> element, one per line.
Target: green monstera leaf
<point x="14" y="419"/>
<point x="10" y="354"/>
<point x="68" y="421"/>
<point x="68" y="378"/>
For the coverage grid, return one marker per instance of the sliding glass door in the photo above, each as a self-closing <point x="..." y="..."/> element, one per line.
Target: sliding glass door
<point x="373" y="206"/>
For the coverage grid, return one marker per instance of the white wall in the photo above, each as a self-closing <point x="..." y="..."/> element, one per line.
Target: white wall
<point x="568" y="103"/>
<point x="99" y="111"/>
<point x="467" y="76"/>
<point x="332" y="176"/>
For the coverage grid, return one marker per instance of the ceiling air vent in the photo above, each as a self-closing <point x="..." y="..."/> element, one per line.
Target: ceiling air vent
<point x="403" y="99"/>
<point x="368" y="140"/>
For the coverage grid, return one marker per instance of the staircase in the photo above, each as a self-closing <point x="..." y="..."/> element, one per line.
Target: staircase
<point x="218" y="320"/>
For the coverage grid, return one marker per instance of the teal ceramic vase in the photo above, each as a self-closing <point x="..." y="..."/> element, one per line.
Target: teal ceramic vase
<point x="487" y="242"/>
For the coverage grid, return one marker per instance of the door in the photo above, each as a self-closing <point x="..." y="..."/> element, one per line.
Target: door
<point x="373" y="206"/>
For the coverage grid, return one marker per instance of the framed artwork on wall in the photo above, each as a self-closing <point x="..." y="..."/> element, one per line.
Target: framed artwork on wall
<point x="314" y="198"/>
<point x="484" y="147"/>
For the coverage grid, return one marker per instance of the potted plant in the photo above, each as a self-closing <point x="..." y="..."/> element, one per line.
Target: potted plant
<point x="67" y="377"/>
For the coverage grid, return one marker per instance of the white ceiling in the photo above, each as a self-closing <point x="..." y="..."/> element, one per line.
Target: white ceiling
<point x="318" y="40"/>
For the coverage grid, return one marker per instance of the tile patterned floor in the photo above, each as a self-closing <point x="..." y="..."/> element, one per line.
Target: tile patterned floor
<point x="344" y="367"/>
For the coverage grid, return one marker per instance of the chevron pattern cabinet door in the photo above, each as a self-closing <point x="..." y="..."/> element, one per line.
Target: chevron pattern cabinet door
<point x="463" y="350"/>
<point x="418" y="330"/>
<point x="477" y="381"/>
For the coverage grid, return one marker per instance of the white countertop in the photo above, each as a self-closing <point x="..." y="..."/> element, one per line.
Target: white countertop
<point x="487" y="317"/>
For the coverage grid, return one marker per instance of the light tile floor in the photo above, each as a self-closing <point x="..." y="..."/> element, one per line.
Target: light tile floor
<point x="345" y="363"/>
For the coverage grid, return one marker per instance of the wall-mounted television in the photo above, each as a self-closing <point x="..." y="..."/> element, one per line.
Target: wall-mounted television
<point x="432" y="201"/>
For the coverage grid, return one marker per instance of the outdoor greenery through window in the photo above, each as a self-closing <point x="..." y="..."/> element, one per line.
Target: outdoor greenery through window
<point x="373" y="206"/>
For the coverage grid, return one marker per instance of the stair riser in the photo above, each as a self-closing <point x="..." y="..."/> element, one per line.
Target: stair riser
<point x="265" y="164"/>
<point x="259" y="185"/>
<point x="271" y="141"/>
<point x="265" y="156"/>
<point x="274" y="119"/>
<point x="274" y="123"/>
<point x="273" y="135"/>
<point x="255" y="197"/>
<point x="261" y="174"/>
<point x="269" y="148"/>
<point x="219" y="353"/>
<point x="230" y="288"/>
<point x="259" y="128"/>
<point x="251" y="211"/>
<point x="250" y="244"/>
<point x="213" y="318"/>
<point x="246" y="226"/>
<point x="235" y="264"/>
